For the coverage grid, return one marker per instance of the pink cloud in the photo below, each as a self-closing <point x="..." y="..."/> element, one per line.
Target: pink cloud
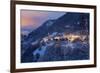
<point x="32" y="18"/>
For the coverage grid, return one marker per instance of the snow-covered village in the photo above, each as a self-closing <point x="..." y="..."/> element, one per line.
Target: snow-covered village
<point x="61" y="39"/>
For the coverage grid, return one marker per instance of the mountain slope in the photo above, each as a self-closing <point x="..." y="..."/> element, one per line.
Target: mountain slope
<point x="68" y="23"/>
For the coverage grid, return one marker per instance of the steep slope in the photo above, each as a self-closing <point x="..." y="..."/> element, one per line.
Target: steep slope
<point x="68" y="23"/>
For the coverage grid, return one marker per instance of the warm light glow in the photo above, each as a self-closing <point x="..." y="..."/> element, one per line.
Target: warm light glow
<point x="72" y="37"/>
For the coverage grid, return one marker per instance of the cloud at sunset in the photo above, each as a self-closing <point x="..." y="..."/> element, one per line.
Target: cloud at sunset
<point x="31" y="19"/>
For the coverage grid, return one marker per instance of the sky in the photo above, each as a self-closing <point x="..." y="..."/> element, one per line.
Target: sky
<point x="30" y="19"/>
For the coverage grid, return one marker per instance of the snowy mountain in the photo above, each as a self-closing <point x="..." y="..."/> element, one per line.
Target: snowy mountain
<point x="68" y="23"/>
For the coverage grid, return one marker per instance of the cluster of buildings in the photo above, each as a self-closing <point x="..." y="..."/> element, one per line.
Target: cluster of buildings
<point x="63" y="37"/>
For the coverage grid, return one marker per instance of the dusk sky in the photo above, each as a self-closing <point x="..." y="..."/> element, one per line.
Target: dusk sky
<point x="30" y="19"/>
